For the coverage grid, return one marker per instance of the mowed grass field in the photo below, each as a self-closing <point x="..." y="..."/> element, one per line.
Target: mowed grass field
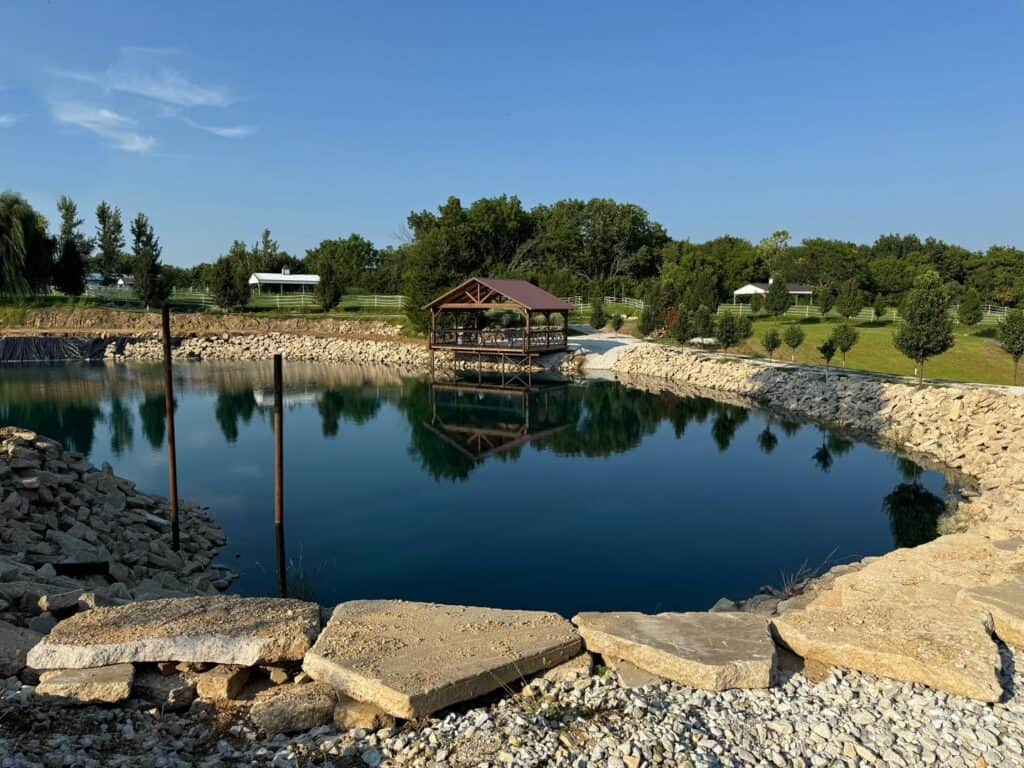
<point x="975" y="357"/>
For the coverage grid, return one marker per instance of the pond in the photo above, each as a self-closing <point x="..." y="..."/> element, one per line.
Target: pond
<point x="573" y="496"/>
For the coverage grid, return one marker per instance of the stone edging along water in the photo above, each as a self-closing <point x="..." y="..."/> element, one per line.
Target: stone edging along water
<point x="929" y="614"/>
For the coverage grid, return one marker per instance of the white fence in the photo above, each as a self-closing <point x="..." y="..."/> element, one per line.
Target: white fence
<point x="579" y="305"/>
<point x="990" y="314"/>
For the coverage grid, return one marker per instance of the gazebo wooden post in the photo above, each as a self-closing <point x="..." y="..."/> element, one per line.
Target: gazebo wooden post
<point x="526" y="336"/>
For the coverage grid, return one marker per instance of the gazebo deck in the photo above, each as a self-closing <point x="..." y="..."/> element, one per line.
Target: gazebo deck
<point x="500" y="340"/>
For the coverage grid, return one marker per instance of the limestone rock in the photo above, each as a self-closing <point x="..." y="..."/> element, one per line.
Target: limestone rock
<point x="169" y="692"/>
<point x="712" y="651"/>
<point x="99" y="685"/>
<point x="572" y="670"/>
<point x="411" y="659"/>
<point x="223" y="682"/>
<point x="1005" y="604"/>
<point x="292" y="708"/>
<point x="630" y="675"/>
<point x="216" y="629"/>
<point x="15" y="643"/>
<point x="349" y="714"/>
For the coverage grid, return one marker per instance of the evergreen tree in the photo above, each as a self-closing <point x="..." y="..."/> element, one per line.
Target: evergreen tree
<point x="109" y="240"/>
<point x="771" y="341"/>
<point x="1011" y="335"/>
<point x="926" y="329"/>
<point x="756" y="304"/>
<point x="150" y="286"/>
<point x="794" y="337"/>
<point x="598" y="318"/>
<point x="778" y="300"/>
<point x="969" y="312"/>
<point x="73" y="249"/>
<point x="845" y="338"/>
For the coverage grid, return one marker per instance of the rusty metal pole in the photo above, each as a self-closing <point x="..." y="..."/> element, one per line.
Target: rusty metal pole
<point x="279" y="472"/>
<point x="172" y="452"/>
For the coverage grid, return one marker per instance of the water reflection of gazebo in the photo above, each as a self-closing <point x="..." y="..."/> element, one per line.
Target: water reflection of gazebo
<point x="481" y="419"/>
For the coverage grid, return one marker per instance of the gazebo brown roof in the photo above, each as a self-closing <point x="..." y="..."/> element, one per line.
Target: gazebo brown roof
<point x="478" y="296"/>
<point x="495" y="293"/>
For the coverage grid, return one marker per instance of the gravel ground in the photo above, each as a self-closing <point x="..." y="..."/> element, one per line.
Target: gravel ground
<point x="844" y="719"/>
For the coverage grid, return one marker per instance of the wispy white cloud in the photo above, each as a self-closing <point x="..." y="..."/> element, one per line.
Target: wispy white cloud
<point x="225" y="132"/>
<point x="117" y="129"/>
<point x="7" y="120"/>
<point x="164" y="85"/>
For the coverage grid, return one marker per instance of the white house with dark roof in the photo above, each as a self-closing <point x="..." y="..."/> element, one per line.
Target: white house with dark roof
<point x="796" y="290"/>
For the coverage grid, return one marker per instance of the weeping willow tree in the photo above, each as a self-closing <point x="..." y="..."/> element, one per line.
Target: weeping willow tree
<point x="26" y="248"/>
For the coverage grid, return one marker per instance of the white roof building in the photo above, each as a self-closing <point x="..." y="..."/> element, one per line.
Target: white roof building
<point x="761" y="289"/>
<point x="284" y="278"/>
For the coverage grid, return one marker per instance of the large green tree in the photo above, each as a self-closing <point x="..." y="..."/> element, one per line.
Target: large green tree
<point x="73" y="248"/>
<point x="351" y="259"/>
<point x="26" y="248"/>
<point x="150" y="286"/>
<point x="109" y="240"/>
<point x="926" y="327"/>
<point x="778" y="299"/>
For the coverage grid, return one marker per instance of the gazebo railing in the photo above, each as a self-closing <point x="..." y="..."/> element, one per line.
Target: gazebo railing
<point x="544" y="337"/>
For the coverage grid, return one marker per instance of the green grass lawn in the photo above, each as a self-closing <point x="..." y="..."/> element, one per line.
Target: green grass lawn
<point x="975" y="357"/>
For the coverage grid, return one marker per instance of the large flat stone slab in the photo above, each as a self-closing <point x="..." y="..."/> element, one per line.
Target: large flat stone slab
<point x="216" y="629"/>
<point x="711" y="651"/>
<point x="103" y="685"/>
<point x="901" y="616"/>
<point x="411" y="659"/>
<point x="1005" y="604"/>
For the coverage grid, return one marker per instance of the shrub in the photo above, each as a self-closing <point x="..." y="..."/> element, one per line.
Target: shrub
<point x="330" y="288"/>
<point x="1011" y="335"/>
<point x="756" y="304"/>
<point x="617" y="321"/>
<point x="879" y="307"/>
<point x="969" y="312"/>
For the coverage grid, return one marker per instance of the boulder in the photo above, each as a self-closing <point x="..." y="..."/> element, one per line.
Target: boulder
<point x="630" y="675"/>
<point x="223" y="682"/>
<point x="292" y="708"/>
<point x="99" y="685"/>
<point x="15" y="643"/>
<point x="215" y="629"/>
<point x="411" y="659"/>
<point x="711" y="651"/>
<point x="169" y="692"/>
<point x="349" y="714"/>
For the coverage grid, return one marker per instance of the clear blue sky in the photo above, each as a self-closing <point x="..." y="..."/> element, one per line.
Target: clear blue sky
<point x="319" y="119"/>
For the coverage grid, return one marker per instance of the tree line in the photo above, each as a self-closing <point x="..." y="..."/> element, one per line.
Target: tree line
<point x="32" y="260"/>
<point x="570" y="247"/>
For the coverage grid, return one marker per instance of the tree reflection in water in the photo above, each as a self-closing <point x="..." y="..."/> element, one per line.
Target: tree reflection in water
<point x="122" y="429"/>
<point x="913" y="510"/>
<point x="73" y="423"/>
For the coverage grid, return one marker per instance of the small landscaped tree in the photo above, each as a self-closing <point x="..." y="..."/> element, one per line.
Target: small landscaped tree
<point x="702" y="322"/>
<point x="598" y="318"/>
<point x="150" y="286"/>
<point x="731" y="330"/>
<point x="794" y="337"/>
<point x="926" y="329"/>
<point x="1011" y="336"/>
<point x="969" y="311"/>
<point x="756" y="304"/>
<point x="825" y="299"/>
<point x="849" y="300"/>
<point x="778" y="300"/>
<point x="771" y="341"/>
<point x="880" y="307"/>
<point x="827" y="350"/>
<point x="679" y="327"/>
<point x="617" y="321"/>
<point x="845" y="338"/>
<point x="329" y="290"/>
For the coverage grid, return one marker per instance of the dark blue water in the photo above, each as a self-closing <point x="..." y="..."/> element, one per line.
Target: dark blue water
<point x="578" y="497"/>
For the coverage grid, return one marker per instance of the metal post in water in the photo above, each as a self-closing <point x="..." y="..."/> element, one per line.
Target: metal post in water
<point x="172" y="453"/>
<point x="279" y="473"/>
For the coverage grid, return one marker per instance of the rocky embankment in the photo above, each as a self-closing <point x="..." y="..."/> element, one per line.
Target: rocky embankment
<point x="73" y="537"/>
<point x="396" y="353"/>
<point x="92" y="322"/>
<point x="934" y="614"/>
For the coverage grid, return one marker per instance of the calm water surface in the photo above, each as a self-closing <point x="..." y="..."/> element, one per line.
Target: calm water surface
<point x="575" y="497"/>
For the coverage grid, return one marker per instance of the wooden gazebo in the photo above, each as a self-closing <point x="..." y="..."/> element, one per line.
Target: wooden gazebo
<point x="459" y="320"/>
